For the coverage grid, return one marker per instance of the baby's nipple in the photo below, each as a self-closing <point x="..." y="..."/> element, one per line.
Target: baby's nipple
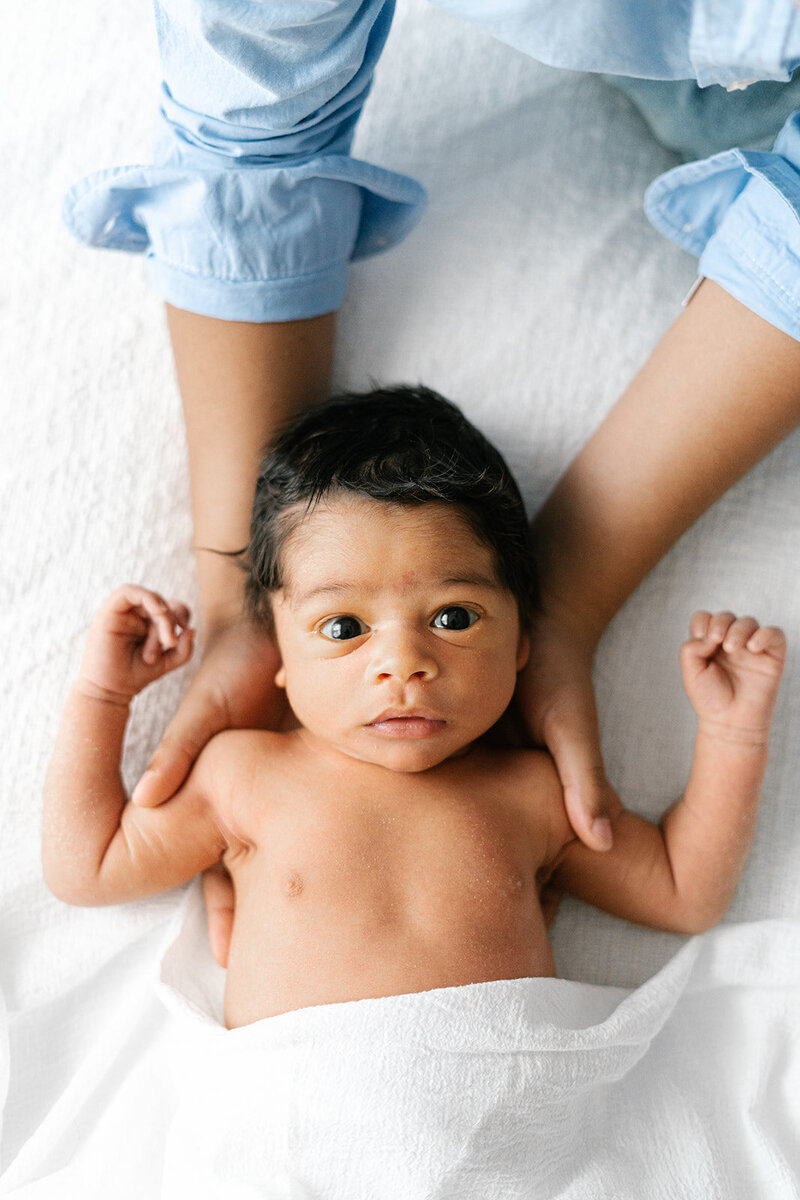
<point x="294" y="884"/>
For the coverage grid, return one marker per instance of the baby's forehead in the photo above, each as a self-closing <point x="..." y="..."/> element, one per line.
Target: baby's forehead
<point x="353" y="534"/>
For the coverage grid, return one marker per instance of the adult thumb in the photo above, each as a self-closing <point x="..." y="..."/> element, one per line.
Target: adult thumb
<point x="185" y="736"/>
<point x="574" y="743"/>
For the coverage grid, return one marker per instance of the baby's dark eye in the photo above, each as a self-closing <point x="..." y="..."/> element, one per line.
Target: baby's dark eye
<point x="454" y="616"/>
<point x="341" y="629"/>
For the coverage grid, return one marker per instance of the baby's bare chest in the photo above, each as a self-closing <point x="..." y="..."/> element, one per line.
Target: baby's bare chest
<point x="430" y="860"/>
<point x="346" y="893"/>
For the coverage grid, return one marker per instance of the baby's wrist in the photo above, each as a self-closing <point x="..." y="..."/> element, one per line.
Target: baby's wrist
<point x="735" y="736"/>
<point x="90" y="690"/>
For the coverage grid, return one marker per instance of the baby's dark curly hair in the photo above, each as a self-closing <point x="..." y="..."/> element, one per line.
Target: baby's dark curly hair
<point x="398" y="445"/>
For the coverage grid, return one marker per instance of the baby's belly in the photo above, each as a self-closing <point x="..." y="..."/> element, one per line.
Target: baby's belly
<point x="311" y="944"/>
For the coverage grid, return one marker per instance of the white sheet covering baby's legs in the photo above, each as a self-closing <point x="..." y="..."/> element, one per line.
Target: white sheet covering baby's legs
<point x="516" y="1088"/>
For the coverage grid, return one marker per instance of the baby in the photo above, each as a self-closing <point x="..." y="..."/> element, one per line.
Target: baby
<point x="384" y="847"/>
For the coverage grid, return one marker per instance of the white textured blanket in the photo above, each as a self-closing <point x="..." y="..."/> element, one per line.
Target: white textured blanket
<point x="531" y="1089"/>
<point x="531" y="292"/>
<point x="688" y="1086"/>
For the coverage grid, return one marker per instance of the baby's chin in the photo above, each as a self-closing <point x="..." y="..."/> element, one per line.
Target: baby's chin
<point x="403" y="756"/>
<point x="413" y="762"/>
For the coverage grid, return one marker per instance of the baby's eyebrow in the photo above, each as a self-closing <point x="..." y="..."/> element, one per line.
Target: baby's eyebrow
<point x="471" y="580"/>
<point x="334" y="588"/>
<point x="325" y="589"/>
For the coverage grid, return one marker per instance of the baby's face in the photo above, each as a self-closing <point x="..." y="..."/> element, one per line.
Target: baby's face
<point x="399" y="644"/>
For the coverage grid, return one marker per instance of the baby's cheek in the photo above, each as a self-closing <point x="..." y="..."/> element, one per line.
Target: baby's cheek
<point x="319" y="702"/>
<point x="489" y="696"/>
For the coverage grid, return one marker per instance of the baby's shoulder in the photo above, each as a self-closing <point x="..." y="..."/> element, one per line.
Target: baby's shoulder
<point x="235" y="761"/>
<point x="233" y="751"/>
<point x="241" y="769"/>
<point x="531" y="774"/>
<point x="531" y="784"/>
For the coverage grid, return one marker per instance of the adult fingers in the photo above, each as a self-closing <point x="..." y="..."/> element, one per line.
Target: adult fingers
<point x="573" y="738"/>
<point x="220" y="908"/>
<point x="199" y="717"/>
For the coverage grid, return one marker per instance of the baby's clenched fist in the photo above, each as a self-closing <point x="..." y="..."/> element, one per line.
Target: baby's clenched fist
<point x="134" y="639"/>
<point x="732" y="667"/>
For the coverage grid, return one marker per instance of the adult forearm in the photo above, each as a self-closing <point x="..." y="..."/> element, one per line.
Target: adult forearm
<point x="239" y="381"/>
<point x="718" y="392"/>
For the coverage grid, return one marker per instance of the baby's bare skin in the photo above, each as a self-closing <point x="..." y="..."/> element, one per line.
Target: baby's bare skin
<point x="362" y="883"/>
<point x="382" y="848"/>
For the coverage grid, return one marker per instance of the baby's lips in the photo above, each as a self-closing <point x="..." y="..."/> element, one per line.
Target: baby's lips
<point x="400" y="714"/>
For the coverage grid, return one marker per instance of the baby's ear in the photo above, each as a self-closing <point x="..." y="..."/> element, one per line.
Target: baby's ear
<point x="280" y="677"/>
<point x="523" y="648"/>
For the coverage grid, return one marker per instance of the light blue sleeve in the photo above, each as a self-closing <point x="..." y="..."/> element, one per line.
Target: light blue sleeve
<point x="739" y="211"/>
<point x="253" y="207"/>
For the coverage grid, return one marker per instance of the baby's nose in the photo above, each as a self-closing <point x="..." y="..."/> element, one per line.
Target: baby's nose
<point x="403" y="655"/>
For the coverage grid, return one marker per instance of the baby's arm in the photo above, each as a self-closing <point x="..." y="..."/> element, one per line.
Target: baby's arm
<point x="682" y="874"/>
<point x="96" y="848"/>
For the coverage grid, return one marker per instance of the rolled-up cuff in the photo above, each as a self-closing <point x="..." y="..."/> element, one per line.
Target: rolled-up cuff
<point x="757" y="260"/>
<point x="247" y="243"/>
<point x="262" y="300"/>
<point x="739" y="211"/>
<point x="743" y="40"/>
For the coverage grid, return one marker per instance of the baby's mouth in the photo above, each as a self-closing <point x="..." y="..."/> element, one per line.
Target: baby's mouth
<point x="411" y="723"/>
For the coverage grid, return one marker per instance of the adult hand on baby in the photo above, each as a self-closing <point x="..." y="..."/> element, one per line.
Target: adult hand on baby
<point x="234" y="688"/>
<point x="555" y="698"/>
